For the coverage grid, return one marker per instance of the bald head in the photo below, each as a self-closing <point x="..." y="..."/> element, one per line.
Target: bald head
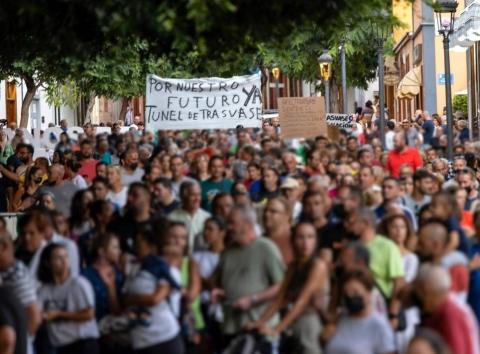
<point x="432" y="242"/>
<point x="434" y="231"/>
<point x="56" y="173"/>
<point x="434" y="277"/>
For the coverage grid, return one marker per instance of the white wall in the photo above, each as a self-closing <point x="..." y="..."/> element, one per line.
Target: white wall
<point x="46" y="110"/>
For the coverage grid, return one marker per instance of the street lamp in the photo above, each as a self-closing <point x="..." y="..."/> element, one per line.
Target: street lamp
<point x="344" y="75"/>
<point x="445" y="11"/>
<point x="325" y="64"/>
<point x="381" y="31"/>
<point x="276" y="75"/>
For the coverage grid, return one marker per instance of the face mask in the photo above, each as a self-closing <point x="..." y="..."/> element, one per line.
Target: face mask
<point x="354" y="304"/>
<point x="133" y="166"/>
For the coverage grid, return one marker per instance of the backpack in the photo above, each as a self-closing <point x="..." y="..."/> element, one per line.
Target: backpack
<point x="249" y="343"/>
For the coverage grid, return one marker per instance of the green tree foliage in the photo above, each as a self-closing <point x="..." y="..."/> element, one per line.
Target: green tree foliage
<point x="107" y="46"/>
<point x="460" y="104"/>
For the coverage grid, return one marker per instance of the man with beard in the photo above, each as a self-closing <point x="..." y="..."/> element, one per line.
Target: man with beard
<point x="423" y="183"/>
<point x="402" y="155"/>
<point x="131" y="173"/>
<point x="433" y="248"/>
<point x="87" y="163"/>
<point x="138" y="216"/>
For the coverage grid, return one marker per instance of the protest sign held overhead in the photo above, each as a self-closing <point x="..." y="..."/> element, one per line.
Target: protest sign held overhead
<point x="208" y="103"/>
<point x="342" y="121"/>
<point x="302" y="117"/>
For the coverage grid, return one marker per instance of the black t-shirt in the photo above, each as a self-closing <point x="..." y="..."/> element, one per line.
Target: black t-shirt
<point x="127" y="229"/>
<point x="12" y="314"/>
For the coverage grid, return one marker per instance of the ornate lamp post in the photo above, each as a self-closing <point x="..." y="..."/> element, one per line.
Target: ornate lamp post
<point x="276" y="75"/>
<point x="445" y="13"/>
<point x="325" y="64"/>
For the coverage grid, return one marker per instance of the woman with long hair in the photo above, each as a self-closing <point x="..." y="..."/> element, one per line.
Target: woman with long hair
<point x="268" y="187"/>
<point x="80" y="221"/>
<point x="199" y="168"/>
<point x="360" y="329"/>
<point x="68" y="304"/>
<point x="398" y="228"/>
<point x="104" y="274"/>
<point x="190" y="281"/>
<point x="303" y="292"/>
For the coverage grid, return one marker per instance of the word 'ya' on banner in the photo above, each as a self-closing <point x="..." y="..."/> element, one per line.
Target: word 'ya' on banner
<point x="342" y="121"/>
<point x="208" y="103"/>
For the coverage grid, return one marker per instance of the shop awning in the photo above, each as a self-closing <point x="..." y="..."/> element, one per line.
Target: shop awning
<point x="410" y="85"/>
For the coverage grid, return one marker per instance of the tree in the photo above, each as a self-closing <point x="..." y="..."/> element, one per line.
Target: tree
<point x="222" y="37"/>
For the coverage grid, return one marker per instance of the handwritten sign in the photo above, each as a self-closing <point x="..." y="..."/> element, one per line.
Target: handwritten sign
<point x="209" y="103"/>
<point x="302" y="117"/>
<point x="342" y="121"/>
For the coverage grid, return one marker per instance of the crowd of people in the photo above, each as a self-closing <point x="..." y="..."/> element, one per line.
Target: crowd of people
<point x="208" y="241"/>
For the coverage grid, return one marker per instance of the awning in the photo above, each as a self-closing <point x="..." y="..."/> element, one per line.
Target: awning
<point x="410" y="85"/>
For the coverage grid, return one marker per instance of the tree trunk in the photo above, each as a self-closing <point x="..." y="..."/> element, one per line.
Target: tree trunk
<point x="335" y="98"/>
<point x="123" y="111"/>
<point x="27" y="100"/>
<point x="90" y="104"/>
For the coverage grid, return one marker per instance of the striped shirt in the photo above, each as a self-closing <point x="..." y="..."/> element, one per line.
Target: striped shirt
<point x="18" y="279"/>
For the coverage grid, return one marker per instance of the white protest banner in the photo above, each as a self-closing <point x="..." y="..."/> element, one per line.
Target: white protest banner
<point x="209" y="103"/>
<point x="342" y="121"/>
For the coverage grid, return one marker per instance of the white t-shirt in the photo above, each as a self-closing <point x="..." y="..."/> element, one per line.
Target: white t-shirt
<point x="80" y="182"/>
<point x="389" y="140"/>
<point x="74" y="295"/>
<point x="119" y="199"/>
<point x="371" y="334"/>
<point x="163" y="325"/>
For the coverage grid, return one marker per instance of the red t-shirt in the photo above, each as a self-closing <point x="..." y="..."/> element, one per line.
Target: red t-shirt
<point x="396" y="160"/>
<point x="454" y="321"/>
<point x="88" y="169"/>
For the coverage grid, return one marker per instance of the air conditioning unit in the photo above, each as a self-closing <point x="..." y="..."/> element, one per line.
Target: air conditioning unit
<point x="417" y="54"/>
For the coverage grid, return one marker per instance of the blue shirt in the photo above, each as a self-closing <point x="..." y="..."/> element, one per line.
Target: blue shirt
<point x="474" y="286"/>
<point x="428" y="129"/>
<point x="101" y="291"/>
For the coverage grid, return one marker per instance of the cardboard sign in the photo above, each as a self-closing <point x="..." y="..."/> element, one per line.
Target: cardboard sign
<point x="342" y="121"/>
<point x="209" y="103"/>
<point x="302" y="117"/>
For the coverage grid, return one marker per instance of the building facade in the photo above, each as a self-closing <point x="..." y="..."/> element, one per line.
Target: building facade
<point x="419" y="59"/>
